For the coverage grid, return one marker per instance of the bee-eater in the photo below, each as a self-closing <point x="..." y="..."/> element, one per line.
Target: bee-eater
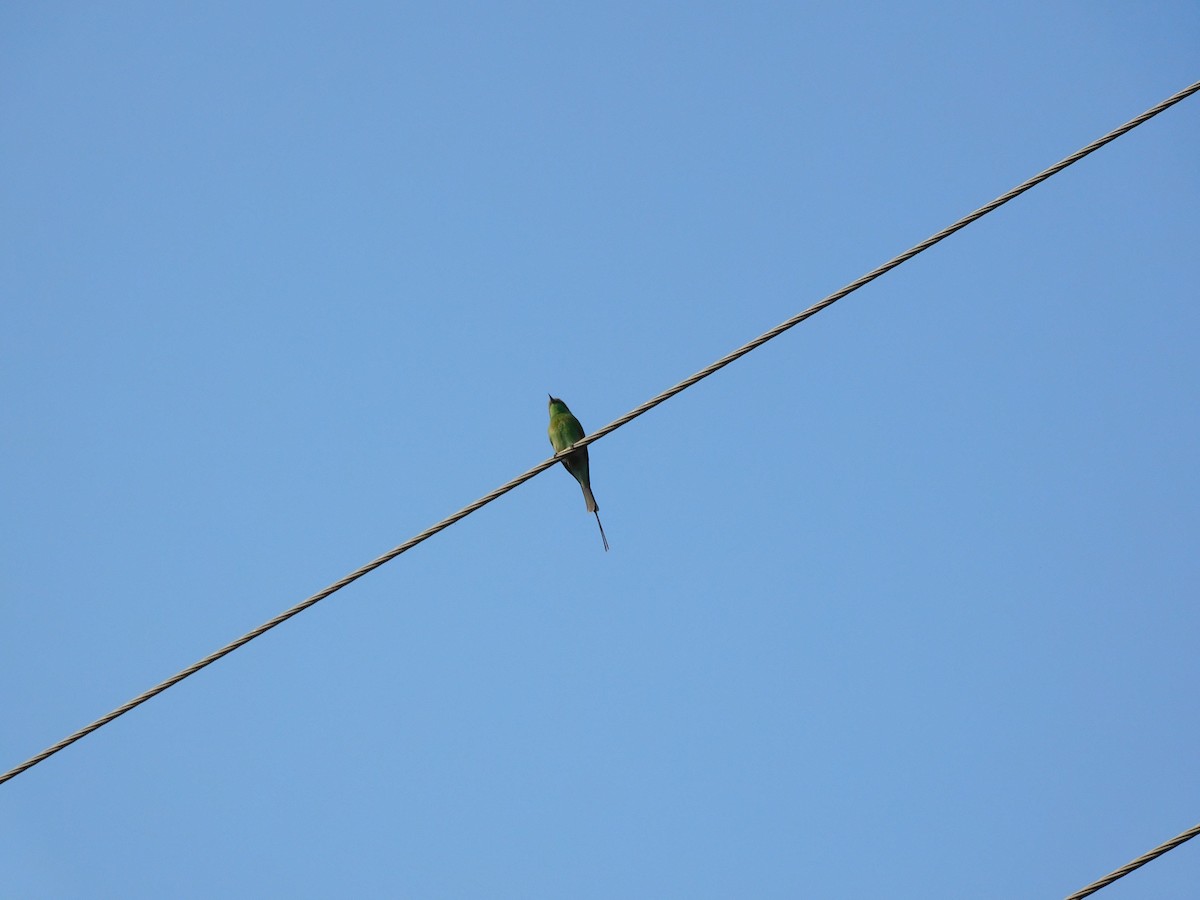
<point x="565" y="430"/>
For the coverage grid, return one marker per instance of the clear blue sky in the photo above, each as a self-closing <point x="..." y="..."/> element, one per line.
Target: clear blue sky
<point x="901" y="605"/>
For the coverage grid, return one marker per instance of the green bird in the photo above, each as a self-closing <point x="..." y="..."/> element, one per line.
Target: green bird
<point x="565" y="430"/>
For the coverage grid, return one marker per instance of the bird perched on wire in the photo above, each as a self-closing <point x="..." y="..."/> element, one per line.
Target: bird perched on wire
<point x="565" y="430"/>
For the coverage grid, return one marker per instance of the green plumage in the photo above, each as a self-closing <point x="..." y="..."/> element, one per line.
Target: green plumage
<point x="564" y="431"/>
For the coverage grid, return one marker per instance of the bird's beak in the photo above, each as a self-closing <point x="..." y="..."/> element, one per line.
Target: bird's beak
<point x="551" y="396"/>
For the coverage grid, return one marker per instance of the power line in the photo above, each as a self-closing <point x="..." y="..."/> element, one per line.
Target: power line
<point x="1136" y="864"/>
<point x="607" y="429"/>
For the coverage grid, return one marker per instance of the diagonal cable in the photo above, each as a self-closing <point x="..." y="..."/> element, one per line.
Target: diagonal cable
<point x="607" y="429"/>
<point x="1136" y="864"/>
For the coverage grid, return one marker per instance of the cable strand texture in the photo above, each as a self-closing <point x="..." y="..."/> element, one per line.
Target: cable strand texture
<point x="1135" y="864"/>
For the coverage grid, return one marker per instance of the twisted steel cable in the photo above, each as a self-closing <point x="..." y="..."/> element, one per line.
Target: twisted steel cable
<point x="1136" y="864"/>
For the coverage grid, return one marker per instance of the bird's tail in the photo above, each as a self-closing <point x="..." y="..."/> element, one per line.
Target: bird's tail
<point x="602" y="537"/>
<point x="588" y="498"/>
